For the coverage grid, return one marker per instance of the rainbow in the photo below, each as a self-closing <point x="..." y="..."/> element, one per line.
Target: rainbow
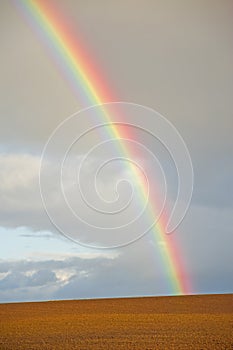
<point x="86" y="81"/>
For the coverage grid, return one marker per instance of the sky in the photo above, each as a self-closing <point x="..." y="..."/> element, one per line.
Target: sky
<point x="172" y="56"/>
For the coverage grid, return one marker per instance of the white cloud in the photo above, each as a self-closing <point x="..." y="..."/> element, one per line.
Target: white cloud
<point x="18" y="171"/>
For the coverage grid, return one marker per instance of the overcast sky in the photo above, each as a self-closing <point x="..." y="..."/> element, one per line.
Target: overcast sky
<point x="173" y="56"/>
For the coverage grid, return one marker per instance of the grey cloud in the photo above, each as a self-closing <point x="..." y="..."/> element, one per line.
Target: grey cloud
<point x="16" y="279"/>
<point x="125" y="273"/>
<point x="176" y="59"/>
<point x="133" y="270"/>
<point x="213" y="187"/>
<point x="173" y="56"/>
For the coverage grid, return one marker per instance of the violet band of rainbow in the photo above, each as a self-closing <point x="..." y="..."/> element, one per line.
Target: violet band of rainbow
<point x="88" y="85"/>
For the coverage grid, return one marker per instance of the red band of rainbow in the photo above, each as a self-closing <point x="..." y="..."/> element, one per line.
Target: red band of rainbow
<point x="87" y="82"/>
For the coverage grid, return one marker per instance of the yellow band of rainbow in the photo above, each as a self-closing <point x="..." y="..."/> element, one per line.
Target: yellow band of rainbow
<point x="87" y="82"/>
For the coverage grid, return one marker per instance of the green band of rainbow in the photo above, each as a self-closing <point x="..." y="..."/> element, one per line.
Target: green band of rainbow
<point x="87" y="83"/>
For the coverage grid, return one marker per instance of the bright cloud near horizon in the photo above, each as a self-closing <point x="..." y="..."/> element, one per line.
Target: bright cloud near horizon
<point x="175" y="57"/>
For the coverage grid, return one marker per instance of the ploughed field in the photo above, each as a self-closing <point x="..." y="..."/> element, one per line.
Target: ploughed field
<point x="182" y="322"/>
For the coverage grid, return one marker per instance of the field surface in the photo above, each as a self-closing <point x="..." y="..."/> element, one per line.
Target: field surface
<point x="182" y="322"/>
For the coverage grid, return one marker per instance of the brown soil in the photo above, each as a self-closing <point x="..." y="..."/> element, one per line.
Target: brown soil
<point x="184" y="322"/>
